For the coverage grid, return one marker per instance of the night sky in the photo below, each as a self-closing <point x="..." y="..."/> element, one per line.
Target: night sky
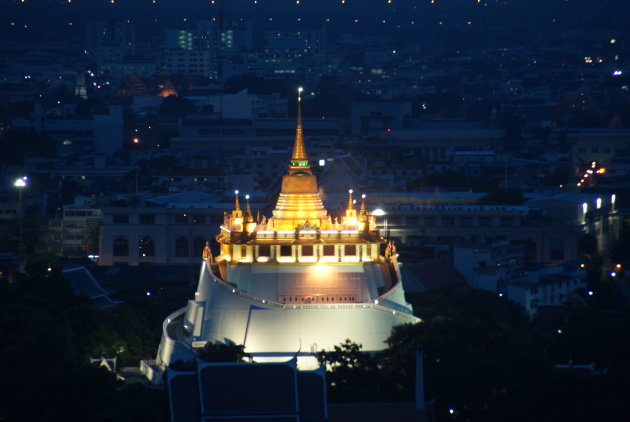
<point x="60" y="18"/>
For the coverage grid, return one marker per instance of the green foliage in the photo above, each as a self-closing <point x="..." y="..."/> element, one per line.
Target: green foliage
<point x="18" y="144"/>
<point x="48" y="336"/>
<point x="17" y="109"/>
<point x="353" y="375"/>
<point x="222" y="352"/>
<point x="87" y="108"/>
<point x="620" y="251"/>
<point x="485" y="359"/>
<point x="174" y="106"/>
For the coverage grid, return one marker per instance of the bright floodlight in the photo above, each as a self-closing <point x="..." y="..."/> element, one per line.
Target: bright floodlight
<point x="350" y="191"/>
<point x="300" y="90"/>
<point x="246" y="196"/>
<point x="236" y="192"/>
<point x="378" y="212"/>
<point x="21" y="182"/>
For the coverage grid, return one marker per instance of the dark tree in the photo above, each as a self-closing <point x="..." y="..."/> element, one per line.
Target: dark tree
<point x="19" y="144"/>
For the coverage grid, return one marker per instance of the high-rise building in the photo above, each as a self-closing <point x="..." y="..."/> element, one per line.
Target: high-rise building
<point x="298" y="282"/>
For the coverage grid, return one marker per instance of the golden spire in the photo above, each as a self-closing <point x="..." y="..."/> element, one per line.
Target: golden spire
<point x="248" y="211"/>
<point x="363" y="224"/>
<point x="236" y="220"/>
<point x="236" y="204"/>
<point x="350" y="204"/>
<point x="362" y="211"/>
<point x="351" y="213"/>
<point x="299" y="160"/>
<point x="299" y="200"/>
<point x="250" y="224"/>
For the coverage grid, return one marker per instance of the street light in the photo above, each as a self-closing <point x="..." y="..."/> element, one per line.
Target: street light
<point x="20" y="183"/>
<point x="379" y="212"/>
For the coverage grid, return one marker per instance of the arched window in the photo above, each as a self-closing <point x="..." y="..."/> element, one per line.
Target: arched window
<point x="120" y="246"/>
<point x="198" y="245"/>
<point x="181" y="247"/>
<point x="146" y="246"/>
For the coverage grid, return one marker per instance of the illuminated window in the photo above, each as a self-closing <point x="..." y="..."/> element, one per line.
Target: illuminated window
<point x="350" y="250"/>
<point x="146" y="247"/>
<point x="329" y="250"/>
<point x="307" y="250"/>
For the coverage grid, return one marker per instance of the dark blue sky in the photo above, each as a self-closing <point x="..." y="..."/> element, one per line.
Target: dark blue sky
<point x="41" y="14"/>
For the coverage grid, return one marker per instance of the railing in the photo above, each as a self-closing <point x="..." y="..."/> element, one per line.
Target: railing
<point x="403" y="314"/>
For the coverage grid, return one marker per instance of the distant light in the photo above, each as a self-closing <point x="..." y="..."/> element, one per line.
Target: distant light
<point x="49" y="269"/>
<point x="559" y="331"/>
<point x="300" y="90"/>
<point x="20" y="182"/>
<point x="350" y="191"/>
<point x="136" y="140"/>
<point x="500" y="294"/>
<point x="379" y="212"/>
<point x="246" y="196"/>
<point x="590" y="293"/>
<point x="599" y="203"/>
<point x="582" y="265"/>
<point x="617" y="73"/>
<point x="236" y="192"/>
<point x="376" y="301"/>
<point x="584" y="208"/>
<point x="148" y="292"/>
<point x="613" y="41"/>
<point x="451" y="410"/>
<point x="613" y="274"/>
<point x="322" y="163"/>
<point x="389" y="129"/>
<point x="613" y="198"/>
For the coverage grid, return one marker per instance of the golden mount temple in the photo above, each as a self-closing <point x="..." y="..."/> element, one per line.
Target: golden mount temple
<point x="293" y="284"/>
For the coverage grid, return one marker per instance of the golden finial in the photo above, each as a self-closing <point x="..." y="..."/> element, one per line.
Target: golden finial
<point x="350" y="204"/>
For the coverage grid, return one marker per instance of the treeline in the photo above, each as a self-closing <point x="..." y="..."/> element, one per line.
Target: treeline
<point x="487" y="362"/>
<point x="47" y="336"/>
